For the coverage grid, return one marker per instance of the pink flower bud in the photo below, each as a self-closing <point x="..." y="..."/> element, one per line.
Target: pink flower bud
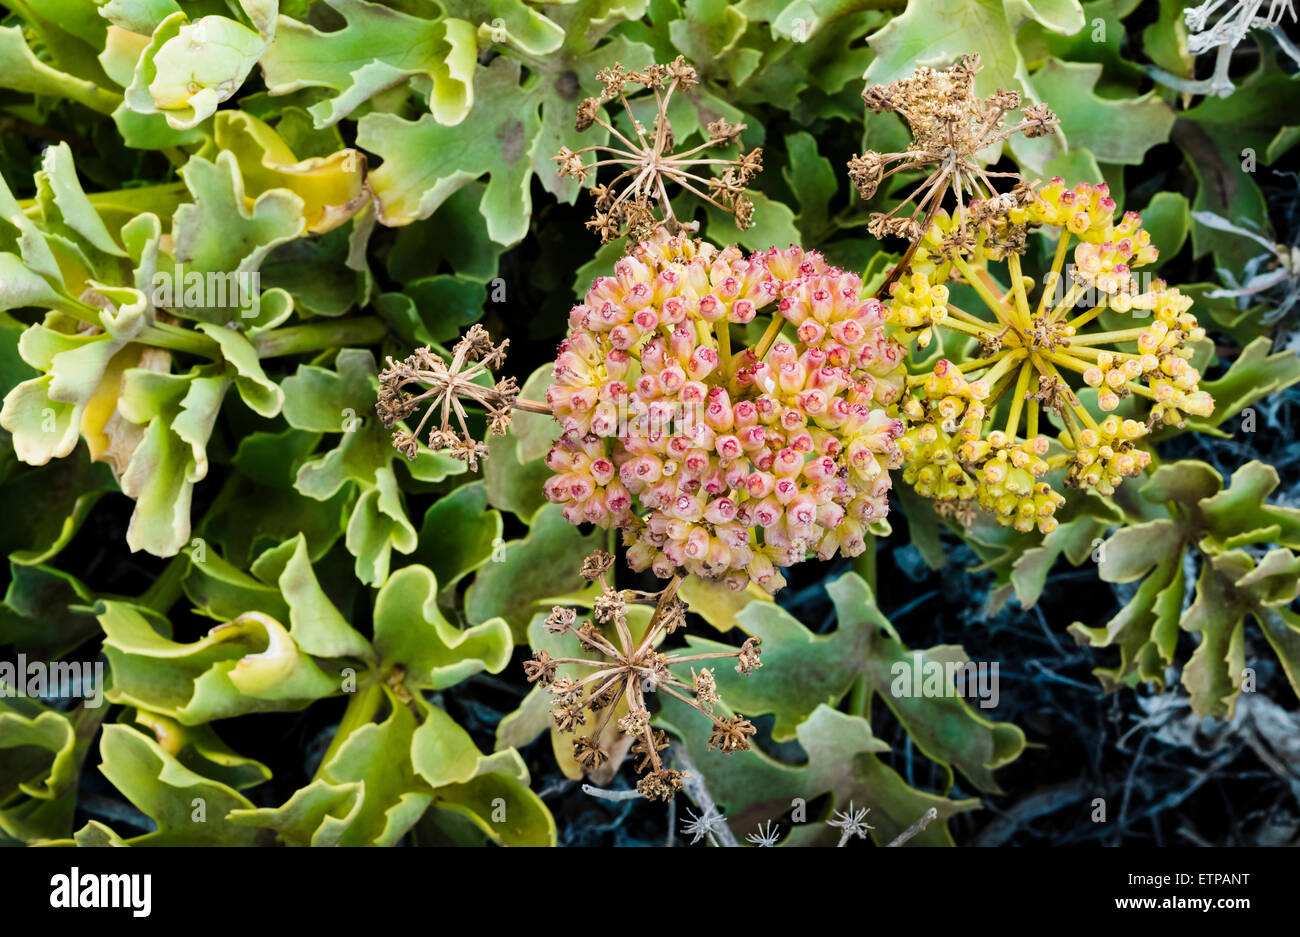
<point x="672" y="311"/>
<point x="711" y="308"/>
<point x="743" y="311"/>
<point x="697" y="543"/>
<point x="728" y="447"/>
<point x="760" y="484"/>
<point x="767" y="512"/>
<point x="718" y="414"/>
<point x="671" y="378"/>
<point x="720" y="511"/>
<point x="811" y="332"/>
<point x="702" y="363"/>
<point x="617" y="498"/>
<point x="604" y="421"/>
<point x="802" y="511"/>
<point x="787" y="463"/>
<point x="745" y="413"/>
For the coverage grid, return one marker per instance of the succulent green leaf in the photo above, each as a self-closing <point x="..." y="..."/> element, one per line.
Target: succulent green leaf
<point x="248" y="665"/>
<point x="170" y="794"/>
<point x="542" y="565"/>
<point x="411" y="632"/>
<point x="378" y="48"/>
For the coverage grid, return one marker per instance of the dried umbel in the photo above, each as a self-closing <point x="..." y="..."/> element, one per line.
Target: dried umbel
<point x="623" y="671"/>
<point x="427" y="381"/>
<point x="950" y="126"/>
<point x="975" y="433"/>
<point x="635" y="200"/>
<point x="726" y="463"/>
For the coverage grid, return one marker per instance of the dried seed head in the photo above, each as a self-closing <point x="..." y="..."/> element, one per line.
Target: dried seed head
<point x="610" y="607"/>
<point x="424" y="380"/>
<point x="588" y="753"/>
<point x="624" y="670"/>
<point x="648" y="162"/>
<point x="747" y="661"/>
<point x="541" y="669"/>
<point x="660" y="785"/>
<point x="560" y="620"/>
<point x="950" y="126"/>
<point x="673" y="615"/>
<point x="647" y="748"/>
<point x="732" y="735"/>
<point x="587" y="112"/>
<point x="706" y="688"/>
<point x="596" y="565"/>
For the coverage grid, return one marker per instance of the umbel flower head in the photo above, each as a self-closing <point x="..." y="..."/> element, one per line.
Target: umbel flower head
<point x="625" y="670"/>
<point x="976" y="428"/>
<point x="427" y="381"/>
<point x="722" y="462"/>
<point x="635" y="199"/>
<point x="950" y="126"/>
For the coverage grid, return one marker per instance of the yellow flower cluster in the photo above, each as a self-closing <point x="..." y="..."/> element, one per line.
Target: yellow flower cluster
<point x="978" y="429"/>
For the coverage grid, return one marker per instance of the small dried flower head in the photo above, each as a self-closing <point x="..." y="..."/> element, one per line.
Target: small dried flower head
<point x="851" y="823"/>
<point x="748" y="659"/>
<point x="621" y="669"/>
<point x="732" y="735"/>
<point x="587" y="112"/>
<point x="707" y="824"/>
<point x="588" y="753"/>
<point x="426" y="381"/>
<point x="541" y="669"/>
<point x="648" y="746"/>
<point x="649" y="162"/>
<point x="560" y="620"/>
<point x="673" y="615"/>
<point x="565" y="690"/>
<point x="769" y="834"/>
<point x="596" y="565"/>
<point x="950" y="126"/>
<point x="635" y="723"/>
<point x="661" y="784"/>
<point x="706" y="688"/>
<point x="568" y="717"/>
<point x="610" y="607"/>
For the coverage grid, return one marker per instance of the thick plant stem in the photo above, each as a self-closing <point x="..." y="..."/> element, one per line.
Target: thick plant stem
<point x="865" y="566"/>
<point x="318" y="336"/>
<point x="361" y="710"/>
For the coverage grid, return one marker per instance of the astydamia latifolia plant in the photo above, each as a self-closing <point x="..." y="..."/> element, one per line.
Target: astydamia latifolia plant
<point x="1220" y="27"/>
<point x="618" y="665"/>
<point x="977" y="426"/>
<point x="644" y="159"/>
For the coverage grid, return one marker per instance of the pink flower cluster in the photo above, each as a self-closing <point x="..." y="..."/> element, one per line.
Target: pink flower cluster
<point x="725" y="465"/>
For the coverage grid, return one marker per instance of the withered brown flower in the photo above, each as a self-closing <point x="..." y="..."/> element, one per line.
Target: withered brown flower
<point x="627" y="670"/>
<point x="441" y="387"/>
<point x="950" y="126"/>
<point x="636" y="200"/>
